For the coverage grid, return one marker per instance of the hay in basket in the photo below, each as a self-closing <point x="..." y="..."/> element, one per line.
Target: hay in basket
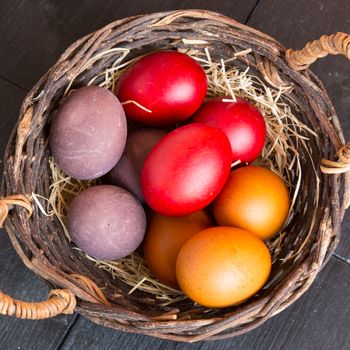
<point x="303" y="131"/>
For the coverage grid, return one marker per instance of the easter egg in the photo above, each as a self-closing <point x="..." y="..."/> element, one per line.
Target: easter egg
<point x="106" y="222"/>
<point x="254" y="199"/>
<point x="162" y="88"/>
<point x="241" y="121"/>
<point x="164" y="238"/>
<point x="88" y="133"/>
<point x="222" y="266"/>
<point x="186" y="170"/>
<point x="127" y="172"/>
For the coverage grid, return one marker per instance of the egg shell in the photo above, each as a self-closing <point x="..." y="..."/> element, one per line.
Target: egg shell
<point x="186" y="169"/>
<point x="106" y="222"/>
<point x="88" y="133"/>
<point x="164" y="238"/>
<point x="255" y="199"/>
<point x="169" y="85"/>
<point x="123" y="174"/>
<point x="241" y="121"/>
<point x="127" y="172"/>
<point x="222" y="266"/>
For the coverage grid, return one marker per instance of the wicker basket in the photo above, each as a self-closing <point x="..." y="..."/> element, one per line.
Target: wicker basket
<point x="43" y="247"/>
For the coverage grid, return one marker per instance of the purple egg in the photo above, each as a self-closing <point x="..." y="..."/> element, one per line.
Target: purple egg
<point x="124" y="175"/>
<point x="127" y="172"/>
<point x="106" y="222"/>
<point x="88" y="133"/>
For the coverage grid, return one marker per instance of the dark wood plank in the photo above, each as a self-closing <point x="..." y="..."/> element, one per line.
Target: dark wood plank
<point x="316" y="321"/>
<point x="15" y="279"/>
<point x="35" y="33"/>
<point x="33" y="36"/>
<point x="294" y="23"/>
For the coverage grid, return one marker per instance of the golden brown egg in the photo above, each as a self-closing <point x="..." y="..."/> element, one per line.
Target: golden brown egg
<point x="255" y="199"/>
<point x="222" y="266"/>
<point x="164" y="238"/>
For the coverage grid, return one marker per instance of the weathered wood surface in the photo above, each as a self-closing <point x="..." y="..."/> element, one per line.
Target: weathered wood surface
<point x="34" y="33"/>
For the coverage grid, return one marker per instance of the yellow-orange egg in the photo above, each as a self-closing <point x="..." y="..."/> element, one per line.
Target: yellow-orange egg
<point x="254" y="199"/>
<point x="222" y="266"/>
<point x="164" y="238"/>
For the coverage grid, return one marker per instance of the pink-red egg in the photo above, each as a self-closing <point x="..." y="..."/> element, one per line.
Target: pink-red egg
<point x="242" y="122"/>
<point x="162" y="88"/>
<point x="186" y="170"/>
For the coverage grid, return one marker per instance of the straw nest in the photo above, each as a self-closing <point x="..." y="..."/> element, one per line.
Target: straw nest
<point x="302" y="129"/>
<point x="284" y="134"/>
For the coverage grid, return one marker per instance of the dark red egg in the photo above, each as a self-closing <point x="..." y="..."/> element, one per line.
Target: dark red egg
<point x="186" y="170"/>
<point x="242" y="122"/>
<point x="162" y="88"/>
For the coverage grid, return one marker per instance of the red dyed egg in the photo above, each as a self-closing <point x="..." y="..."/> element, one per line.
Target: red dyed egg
<point x="162" y="88"/>
<point x="186" y="170"/>
<point x="242" y="122"/>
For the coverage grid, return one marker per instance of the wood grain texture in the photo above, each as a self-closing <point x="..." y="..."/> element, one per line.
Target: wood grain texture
<point x="33" y="36"/>
<point x="297" y="259"/>
<point x="35" y="33"/>
<point x="316" y="321"/>
<point x="294" y="23"/>
<point x="15" y="279"/>
<point x="19" y="282"/>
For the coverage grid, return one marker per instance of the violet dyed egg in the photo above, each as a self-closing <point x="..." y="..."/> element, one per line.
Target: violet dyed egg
<point x="106" y="222"/>
<point x="127" y="172"/>
<point x="88" y="133"/>
<point x="124" y="175"/>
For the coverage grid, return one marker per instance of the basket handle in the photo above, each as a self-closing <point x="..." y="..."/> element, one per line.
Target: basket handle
<point x="8" y="202"/>
<point x="335" y="44"/>
<point x="59" y="300"/>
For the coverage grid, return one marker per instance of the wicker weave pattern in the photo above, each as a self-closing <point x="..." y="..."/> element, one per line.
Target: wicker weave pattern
<point x="42" y="245"/>
<point x="336" y="44"/>
<point x="60" y="301"/>
<point x="7" y="202"/>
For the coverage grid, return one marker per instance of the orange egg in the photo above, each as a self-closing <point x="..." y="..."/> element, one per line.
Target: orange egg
<point x="254" y="199"/>
<point x="164" y="238"/>
<point x="222" y="266"/>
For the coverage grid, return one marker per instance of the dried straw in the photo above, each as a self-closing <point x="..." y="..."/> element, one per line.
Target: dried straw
<point x="285" y="134"/>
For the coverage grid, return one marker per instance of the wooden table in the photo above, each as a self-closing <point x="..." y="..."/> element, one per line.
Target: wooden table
<point x="33" y="33"/>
